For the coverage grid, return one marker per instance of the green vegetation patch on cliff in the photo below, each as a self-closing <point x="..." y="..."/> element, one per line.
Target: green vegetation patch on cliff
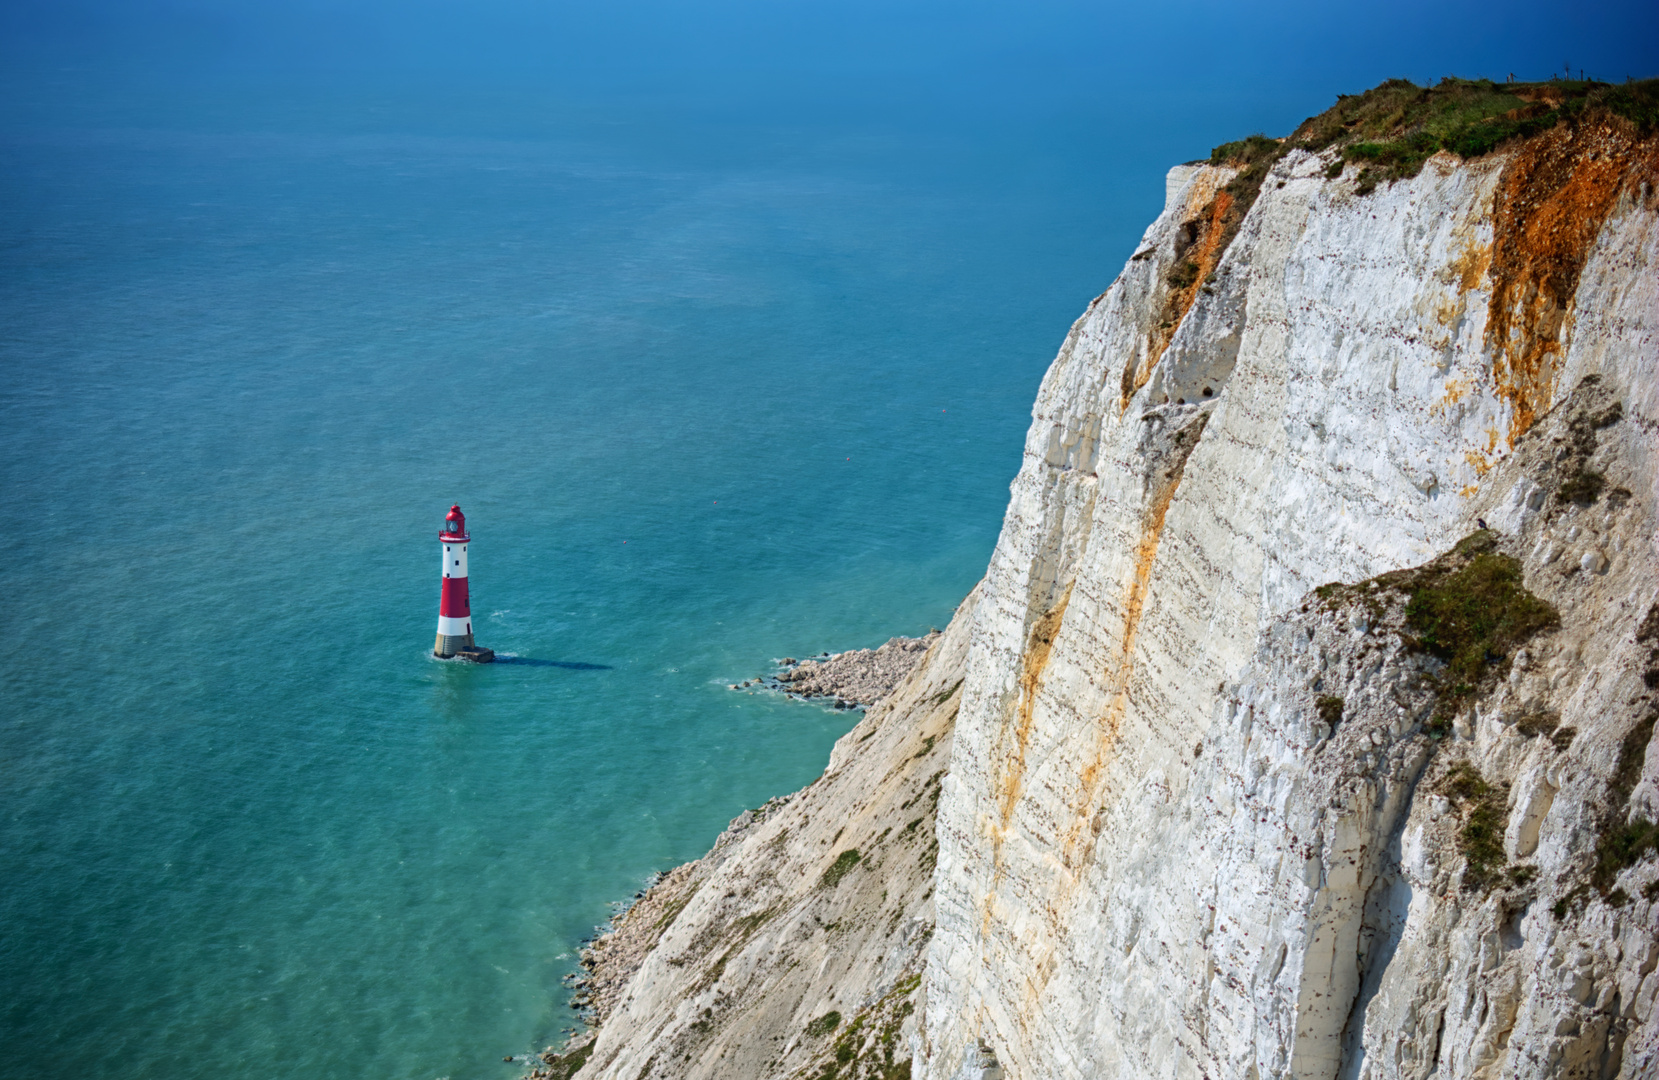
<point x="1254" y="157"/>
<point x="823" y="1025"/>
<point x="1390" y="130"/>
<point x="1623" y="843"/>
<point x="1480" y="839"/>
<point x="869" y="1047"/>
<point x="1475" y="615"/>
<point x="1467" y="608"/>
<point x="1583" y="486"/>
<point x="840" y="868"/>
<point x="565" y="1066"/>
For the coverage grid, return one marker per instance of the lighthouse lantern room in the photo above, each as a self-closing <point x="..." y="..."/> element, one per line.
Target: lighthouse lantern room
<point x="454" y="610"/>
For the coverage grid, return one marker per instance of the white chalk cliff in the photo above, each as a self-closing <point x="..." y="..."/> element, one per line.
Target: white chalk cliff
<point x="1202" y="818"/>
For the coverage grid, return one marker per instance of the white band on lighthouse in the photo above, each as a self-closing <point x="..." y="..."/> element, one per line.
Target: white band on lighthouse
<point x="455" y="560"/>
<point x="449" y="627"/>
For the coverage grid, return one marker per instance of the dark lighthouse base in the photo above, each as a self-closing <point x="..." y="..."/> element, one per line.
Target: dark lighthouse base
<point x="461" y="647"/>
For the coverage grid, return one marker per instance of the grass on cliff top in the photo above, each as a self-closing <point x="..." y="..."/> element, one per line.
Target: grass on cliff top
<point x="1393" y="128"/>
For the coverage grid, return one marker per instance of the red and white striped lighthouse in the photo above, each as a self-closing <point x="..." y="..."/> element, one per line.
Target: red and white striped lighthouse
<point x="454" y="612"/>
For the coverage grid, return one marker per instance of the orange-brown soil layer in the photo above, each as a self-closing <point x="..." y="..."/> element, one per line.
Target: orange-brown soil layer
<point x="1553" y="197"/>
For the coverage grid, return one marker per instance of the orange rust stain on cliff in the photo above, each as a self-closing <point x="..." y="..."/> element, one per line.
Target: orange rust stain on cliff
<point x="1077" y="845"/>
<point x="1456" y="391"/>
<point x="1553" y="196"/>
<point x="1037" y="649"/>
<point x="1478" y="461"/>
<point x="1134" y="606"/>
<point x="1471" y="266"/>
<point x="1146" y="552"/>
<point x="1204" y="254"/>
<point x="1011" y="764"/>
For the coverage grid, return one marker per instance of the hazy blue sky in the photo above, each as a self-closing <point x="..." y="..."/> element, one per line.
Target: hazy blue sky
<point x="1276" y="59"/>
<point x="1107" y="94"/>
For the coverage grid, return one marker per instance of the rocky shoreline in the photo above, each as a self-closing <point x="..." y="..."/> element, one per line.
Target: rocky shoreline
<point x="610" y="958"/>
<point x="855" y="679"/>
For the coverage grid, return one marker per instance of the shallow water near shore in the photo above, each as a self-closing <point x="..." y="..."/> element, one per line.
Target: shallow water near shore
<point x="707" y="395"/>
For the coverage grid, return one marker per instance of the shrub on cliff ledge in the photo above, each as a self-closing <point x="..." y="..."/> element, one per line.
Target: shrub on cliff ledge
<point x="1475" y="615"/>
<point x="1184" y="274"/>
<point x="1481" y="837"/>
<point x="823" y="1025"/>
<point x="1622" y="844"/>
<point x="1582" y="487"/>
<point x="1468" y="608"/>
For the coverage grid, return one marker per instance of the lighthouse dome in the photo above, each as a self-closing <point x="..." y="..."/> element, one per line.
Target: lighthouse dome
<point x="455" y="524"/>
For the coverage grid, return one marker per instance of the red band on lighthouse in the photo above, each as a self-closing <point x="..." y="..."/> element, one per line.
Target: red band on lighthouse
<point x="453" y="603"/>
<point x="454" y="612"/>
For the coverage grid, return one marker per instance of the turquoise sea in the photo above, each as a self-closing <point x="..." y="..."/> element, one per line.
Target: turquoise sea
<point x="712" y="388"/>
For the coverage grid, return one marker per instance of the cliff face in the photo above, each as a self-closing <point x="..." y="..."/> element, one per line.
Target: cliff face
<point x="1204" y="821"/>
<point x="1302" y="726"/>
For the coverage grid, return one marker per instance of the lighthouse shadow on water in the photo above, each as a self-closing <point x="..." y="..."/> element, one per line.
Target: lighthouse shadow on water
<point x="454" y="612"/>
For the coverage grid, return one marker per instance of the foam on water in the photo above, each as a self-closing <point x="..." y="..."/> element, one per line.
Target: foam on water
<point x="248" y="822"/>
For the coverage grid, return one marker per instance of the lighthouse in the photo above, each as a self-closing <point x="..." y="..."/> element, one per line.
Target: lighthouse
<point x="454" y="613"/>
